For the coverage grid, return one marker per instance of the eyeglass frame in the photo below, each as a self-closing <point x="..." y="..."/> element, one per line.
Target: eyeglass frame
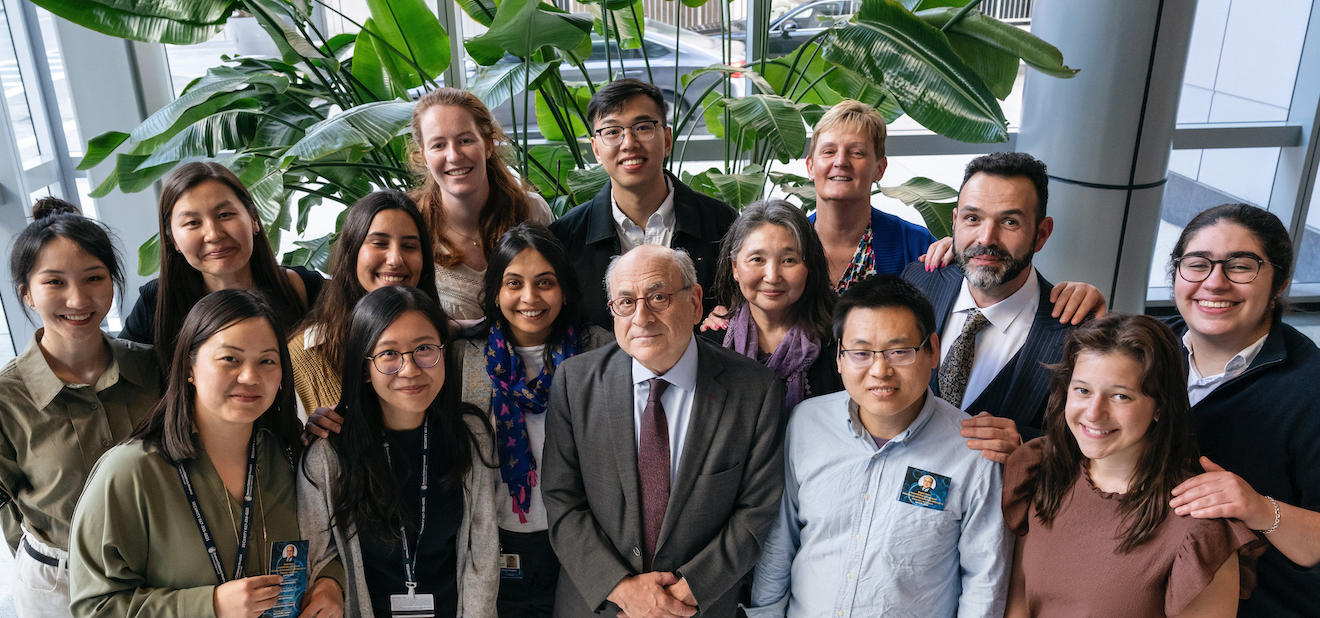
<point x="655" y="130"/>
<point x="646" y="299"/>
<point x="885" y="354"/>
<point x="403" y="358"/>
<point x="1260" y="262"/>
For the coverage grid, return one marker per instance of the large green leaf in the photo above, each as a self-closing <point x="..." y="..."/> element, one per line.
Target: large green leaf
<point x="410" y="31"/>
<point x="585" y="184"/>
<point x="218" y="89"/>
<point x="369" y="126"/>
<point x="775" y="121"/>
<point x="369" y="69"/>
<point x="100" y="147"/>
<point x="481" y="11"/>
<point x="914" y="61"/>
<point x="626" y="23"/>
<point x="555" y="163"/>
<point x="280" y="20"/>
<point x="204" y="138"/>
<point x="998" y="69"/>
<point x="494" y="85"/>
<point x="313" y="253"/>
<point x="549" y="123"/>
<point x="149" y="256"/>
<point x="930" y="198"/>
<point x="843" y="79"/>
<point x="736" y="190"/>
<point x="1007" y="38"/>
<point x="178" y="22"/>
<point x="521" y="27"/>
<point x="758" y="82"/>
<point x="800" y="187"/>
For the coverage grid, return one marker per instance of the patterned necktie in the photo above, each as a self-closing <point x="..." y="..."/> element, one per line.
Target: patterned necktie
<point x="957" y="366"/>
<point x="653" y="468"/>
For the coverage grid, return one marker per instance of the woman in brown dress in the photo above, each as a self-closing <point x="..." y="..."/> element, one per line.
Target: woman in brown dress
<point x="1089" y="500"/>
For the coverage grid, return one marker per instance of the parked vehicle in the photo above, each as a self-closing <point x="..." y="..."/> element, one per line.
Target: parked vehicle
<point x="790" y="27"/>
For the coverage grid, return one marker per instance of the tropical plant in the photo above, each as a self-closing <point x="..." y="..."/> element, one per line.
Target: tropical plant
<point x="328" y="118"/>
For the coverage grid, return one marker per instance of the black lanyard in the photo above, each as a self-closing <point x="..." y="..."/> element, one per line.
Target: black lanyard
<point x="410" y="563"/>
<point x="207" y="539"/>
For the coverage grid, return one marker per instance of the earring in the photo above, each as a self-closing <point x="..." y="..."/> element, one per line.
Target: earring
<point x="190" y="380"/>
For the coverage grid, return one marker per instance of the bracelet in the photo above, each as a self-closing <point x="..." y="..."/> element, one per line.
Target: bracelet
<point x="1274" y="503"/>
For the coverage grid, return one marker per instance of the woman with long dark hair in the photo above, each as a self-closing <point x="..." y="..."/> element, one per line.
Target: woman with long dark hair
<point x="180" y="519"/>
<point x="405" y="495"/>
<point x="383" y="241"/>
<point x="773" y="278"/>
<point x="1253" y="383"/>
<point x="532" y="325"/>
<point x="468" y="195"/>
<point x="66" y="398"/>
<point x="1089" y="500"/>
<point x="211" y="239"/>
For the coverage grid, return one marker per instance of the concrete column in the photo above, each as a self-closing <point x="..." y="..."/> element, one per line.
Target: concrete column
<point x="1106" y="135"/>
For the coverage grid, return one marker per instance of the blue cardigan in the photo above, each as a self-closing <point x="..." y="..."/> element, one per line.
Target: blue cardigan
<point x="896" y="242"/>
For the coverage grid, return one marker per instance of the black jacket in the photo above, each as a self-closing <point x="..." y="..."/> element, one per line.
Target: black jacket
<point x="590" y="240"/>
<point x="1264" y="426"/>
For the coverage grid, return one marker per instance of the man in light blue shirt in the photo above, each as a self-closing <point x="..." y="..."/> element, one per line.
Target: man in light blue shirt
<point x="885" y="511"/>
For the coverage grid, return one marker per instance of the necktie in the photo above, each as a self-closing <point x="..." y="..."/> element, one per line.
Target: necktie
<point x="957" y="366"/>
<point x="653" y="468"/>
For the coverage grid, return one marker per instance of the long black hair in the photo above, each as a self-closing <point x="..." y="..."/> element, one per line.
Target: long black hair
<point x="171" y="424"/>
<point x="366" y="496"/>
<point x="538" y="238"/>
<point x="55" y="218"/>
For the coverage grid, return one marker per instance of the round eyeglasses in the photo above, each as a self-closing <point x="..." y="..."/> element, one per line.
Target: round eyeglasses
<point x="390" y="362"/>
<point x="643" y="131"/>
<point x="1238" y="269"/>
<point x="861" y="358"/>
<point x="656" y="302"/>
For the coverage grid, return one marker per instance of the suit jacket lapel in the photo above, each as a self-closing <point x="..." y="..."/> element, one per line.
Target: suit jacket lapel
<point x="707" y="408"/>
<point x="1030" y="384"/>
<point x="945" y="294"/>
<point x="623" y="430"/>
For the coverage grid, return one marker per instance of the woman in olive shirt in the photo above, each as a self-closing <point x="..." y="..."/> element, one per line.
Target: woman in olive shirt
<point x="71" y="394"/>
<point x="156" y="532"/>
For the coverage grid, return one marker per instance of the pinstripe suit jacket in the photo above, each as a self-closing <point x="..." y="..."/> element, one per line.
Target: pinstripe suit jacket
<point x="1021" y="389"/>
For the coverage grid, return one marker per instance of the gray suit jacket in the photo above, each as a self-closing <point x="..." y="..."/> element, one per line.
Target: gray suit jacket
<point x="722" y="502"/>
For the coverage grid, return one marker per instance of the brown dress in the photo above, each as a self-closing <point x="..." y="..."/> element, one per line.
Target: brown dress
<point x="1072" y="567"/>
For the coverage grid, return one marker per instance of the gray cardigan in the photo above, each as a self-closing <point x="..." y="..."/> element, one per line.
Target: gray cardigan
<point x="478" y="572"/>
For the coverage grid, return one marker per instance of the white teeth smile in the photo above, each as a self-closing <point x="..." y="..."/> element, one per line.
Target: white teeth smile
<point x="532" y="314"/>
<point x="77" y="317"/>
<point x="1096" y="433"/>
<point x="1215" y="304"/>
<point x="630" y="162"/>
<point x="392" y="278"/>
<point x="458" y="172"/>
<point x="841" y="178"/>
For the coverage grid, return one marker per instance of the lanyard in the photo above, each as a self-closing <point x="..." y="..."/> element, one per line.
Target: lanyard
<point x="207" y="539"/>
<point x="410" y="558"/>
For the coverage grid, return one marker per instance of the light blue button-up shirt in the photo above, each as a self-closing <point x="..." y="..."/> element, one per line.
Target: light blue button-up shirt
<point x="845" y="545"/>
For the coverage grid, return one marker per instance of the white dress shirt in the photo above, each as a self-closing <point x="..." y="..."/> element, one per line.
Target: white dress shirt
<point x="1198" y="387"/>
<point x="1010" y="322"/>
<point x="659" y="229"/>
<point x="677" y="400"/>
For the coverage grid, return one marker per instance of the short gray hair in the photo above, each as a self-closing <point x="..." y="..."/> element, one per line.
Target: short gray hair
<point x="687" y="271"/>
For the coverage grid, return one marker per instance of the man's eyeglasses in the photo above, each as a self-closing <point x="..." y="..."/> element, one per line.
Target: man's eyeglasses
<point x="656" y="302"/>
<point x="860" y="358"/>
<point x="390" y="362"/>
<point x="1238" y="269"/>
<point x="643" y="131"/>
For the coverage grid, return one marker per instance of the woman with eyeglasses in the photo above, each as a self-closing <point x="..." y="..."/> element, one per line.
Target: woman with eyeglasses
<point x="1089" y="500"/>
<point x="772" y="276"/>
<point x="1254" y="383"/>
<point x="404" y="497"/>
<point x="468" y="195"/>
<point x="532" y="325"/>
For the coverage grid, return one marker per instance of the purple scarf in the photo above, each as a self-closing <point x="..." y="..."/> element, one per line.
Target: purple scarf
<point x="789" y="361"/>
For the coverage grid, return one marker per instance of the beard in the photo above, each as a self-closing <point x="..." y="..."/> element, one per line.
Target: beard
<point x="986" y="277"/>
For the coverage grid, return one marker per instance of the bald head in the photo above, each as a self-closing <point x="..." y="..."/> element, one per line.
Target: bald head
<point x="663" y="300"/>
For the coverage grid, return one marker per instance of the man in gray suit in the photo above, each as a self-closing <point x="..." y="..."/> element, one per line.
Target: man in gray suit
<point x="663" y="467"/>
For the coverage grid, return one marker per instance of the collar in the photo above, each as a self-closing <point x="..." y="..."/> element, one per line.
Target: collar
<point x="683" y="374"/>
<point x="1233" y="367"/>
<point x="44" y="385"/>
<point x="665" y="212"/>
<point x="311" y="336"/>
<point x="923" y="418"/>
<point x="1004" y="313"/>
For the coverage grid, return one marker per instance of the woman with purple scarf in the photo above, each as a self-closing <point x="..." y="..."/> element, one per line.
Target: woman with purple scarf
<point x="773" y="278"/>
<point x="531" y="325"/>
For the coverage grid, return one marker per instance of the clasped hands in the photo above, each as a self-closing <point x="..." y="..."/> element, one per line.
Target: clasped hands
<point x="653" y="595"/>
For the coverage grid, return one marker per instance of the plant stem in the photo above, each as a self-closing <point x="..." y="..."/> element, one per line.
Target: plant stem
<point x="957" y="17"/>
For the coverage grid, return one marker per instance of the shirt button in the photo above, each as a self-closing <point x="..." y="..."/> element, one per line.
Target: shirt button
<point x="840" y="612"/>
<point x="849" y="574"/>
<point x="637" y="551"/>
<point x="866" y="496"/>
<point x="105" y="443"/>
<point x="858" y="537"/>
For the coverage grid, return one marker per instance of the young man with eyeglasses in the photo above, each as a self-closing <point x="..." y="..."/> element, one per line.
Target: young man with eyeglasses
<point x="642" y="203"/>
<point x="884" y="511"/>
<point x="662" y="465"/>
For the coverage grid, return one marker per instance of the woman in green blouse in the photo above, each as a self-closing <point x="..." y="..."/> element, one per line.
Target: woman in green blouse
<point x="157" y="530"/>
<point x="71" y="394"/>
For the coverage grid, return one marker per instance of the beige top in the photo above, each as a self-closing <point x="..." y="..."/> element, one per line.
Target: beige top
<point x="316" y="383"/>
<point x="52" y="433"/>
<point x="460" y="287"/>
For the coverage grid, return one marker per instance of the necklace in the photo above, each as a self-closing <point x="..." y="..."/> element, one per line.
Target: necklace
<point x="261" y="510"/>
<point x="475" y="243"/>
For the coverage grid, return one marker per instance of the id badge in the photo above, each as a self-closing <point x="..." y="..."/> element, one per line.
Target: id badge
<point x="924" y="489"/>
<point x="288" y="559"/>
<point x="510" y="566"/>
<point x="412" y="605"/>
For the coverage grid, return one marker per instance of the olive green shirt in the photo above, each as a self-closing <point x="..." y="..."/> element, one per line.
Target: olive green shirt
<point x="52" y="433"/>
<point x="135" y="548"/>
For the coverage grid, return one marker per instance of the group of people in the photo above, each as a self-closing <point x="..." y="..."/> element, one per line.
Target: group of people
<point x="654" y="405"/>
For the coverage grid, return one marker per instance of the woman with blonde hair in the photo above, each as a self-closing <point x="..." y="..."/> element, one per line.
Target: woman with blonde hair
<point x="468" y="194"/>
